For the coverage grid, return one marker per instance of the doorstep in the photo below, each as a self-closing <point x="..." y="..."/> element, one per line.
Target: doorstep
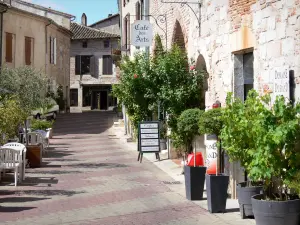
<point x="173" y="168"/>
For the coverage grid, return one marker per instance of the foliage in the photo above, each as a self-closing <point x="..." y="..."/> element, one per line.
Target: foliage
<point x="265" y="139"/>
<point x="60" y="97"/>
<point x="26" y="84"/>
<point x="211" y="122"/>
<point x="187" y="128"/>
<point x="158" y="49"/>
<point x="41" y="124"/>
<point x="11" y="116"/>
<point x="46" y="105"/>
<point x="163" y="130"/>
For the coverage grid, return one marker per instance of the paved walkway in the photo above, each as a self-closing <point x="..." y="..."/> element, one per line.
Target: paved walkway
<point x="90" y="177"/>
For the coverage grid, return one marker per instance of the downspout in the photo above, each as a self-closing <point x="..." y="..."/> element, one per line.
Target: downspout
<point x="46" y="44"/>
<point x="1" y="36"/>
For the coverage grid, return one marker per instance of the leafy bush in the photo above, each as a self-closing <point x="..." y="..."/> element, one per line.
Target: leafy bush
<point x="41" y="124"/>
<point x="265" y="139"/>
<point x="211" y="122"/>
<point x="187" y="128"/>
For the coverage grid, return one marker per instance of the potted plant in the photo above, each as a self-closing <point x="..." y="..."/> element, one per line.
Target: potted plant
<point x="238" y="119"/>
<point x="276" y="159"/>
<point x="163" y="136"/>
<point x="216" y="184"/>
<point x="187" y="129"/>
<point x="41" y="125"/>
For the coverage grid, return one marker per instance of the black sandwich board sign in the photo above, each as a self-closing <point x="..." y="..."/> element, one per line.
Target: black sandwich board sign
<point x="148" y="139"/>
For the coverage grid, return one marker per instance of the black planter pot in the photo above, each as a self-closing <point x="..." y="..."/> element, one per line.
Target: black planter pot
<point x="275" y="212"/>
<point x="194" y="182"/>
<point x="245" y="194"/>
<point x="216" y="190"/>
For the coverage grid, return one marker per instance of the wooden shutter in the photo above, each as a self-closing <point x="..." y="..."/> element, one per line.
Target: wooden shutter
<point x="51" y="50"/>
<point x="137" y="11"/>
<point x="54" y="51"/>
<point x="27" y="51"/>
<point x="92" y="66"/>
<point x="128" y="32"/>
<point x="77" y="65"/>
<point x="107" y="65"/>
<point x="9" y="48"/>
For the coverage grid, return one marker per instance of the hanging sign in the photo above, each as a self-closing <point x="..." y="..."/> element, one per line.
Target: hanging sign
<point x="149" y="137"/>
<point x="141" y="33"/>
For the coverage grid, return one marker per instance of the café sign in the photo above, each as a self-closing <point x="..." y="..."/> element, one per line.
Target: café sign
<point x="281" y="82"/>
<point x="141" y="33"/>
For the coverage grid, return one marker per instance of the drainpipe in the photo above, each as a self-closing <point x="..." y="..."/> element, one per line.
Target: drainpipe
<point x="46" y="44"/>
<point x="1" y="32"/>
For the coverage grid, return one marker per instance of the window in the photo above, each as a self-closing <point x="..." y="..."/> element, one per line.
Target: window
<point x="137" y="11"/>
<point x="83" y="64"/>
<point x="84" y="44"/>
<point x="127" y="31"/>
<point x="124" y="3"/>
<point x="53" y="54"/>
<point x="28" y="50"/>
<point x="248" y="73"/>
<point x="243" y="74"/>
<point x="107" y="65"/>
<point x="106" y="43"/>
<point x="9" y="48"/>
<point x="73" y="97"/>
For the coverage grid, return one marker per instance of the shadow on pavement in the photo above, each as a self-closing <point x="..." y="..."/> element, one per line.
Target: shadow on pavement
<point x="43" y="192"/>
<point x="97" y="165"/>
<point x="21" y="199"/>
<point x="10" y="209"/>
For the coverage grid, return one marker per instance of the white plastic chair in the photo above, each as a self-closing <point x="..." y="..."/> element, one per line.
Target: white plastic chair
<point x="46" y="136"/>
<point x="19" y="147"/>
<point x="11" y="159"/>
<point x="35" y="138"/>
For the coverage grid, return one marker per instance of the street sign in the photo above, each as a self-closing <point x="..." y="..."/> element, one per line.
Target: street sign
<point x="141" y="33"/>
<point x="148" y="138"/>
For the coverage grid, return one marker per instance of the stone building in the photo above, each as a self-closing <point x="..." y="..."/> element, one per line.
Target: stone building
<point x="36" y="36"/>
<point x="92" y="67"/>
<point x="241" y="44"/>
<point x="111" y="24"/>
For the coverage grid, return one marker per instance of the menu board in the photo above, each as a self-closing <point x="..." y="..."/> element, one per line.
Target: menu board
<point x="149" y="137"/>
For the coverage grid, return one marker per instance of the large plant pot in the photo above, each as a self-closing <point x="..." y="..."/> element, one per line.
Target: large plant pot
<point x="216" y="191"/>
<point x="245" y="194"/>
<point x="194" y="182"/>
<point x="163" y="144"/>
<point x="275" y="212"/>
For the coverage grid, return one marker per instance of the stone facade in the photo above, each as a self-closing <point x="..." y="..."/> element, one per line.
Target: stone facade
<point x="110" y="24"/>
<point x="25" y="20"/>
<point x="97" y="44"/>
<point x="239" y="43"/>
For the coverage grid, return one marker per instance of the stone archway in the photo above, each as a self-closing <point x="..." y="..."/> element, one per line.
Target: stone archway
<point x="201" y="65"/>
<point x="178" y="36"/>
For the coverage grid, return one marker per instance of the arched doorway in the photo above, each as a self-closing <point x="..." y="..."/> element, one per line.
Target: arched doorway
<point x="201" y="65"/>
<point x="178" y="37"/>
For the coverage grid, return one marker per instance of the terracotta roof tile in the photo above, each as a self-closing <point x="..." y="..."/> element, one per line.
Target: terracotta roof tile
<point x="81" y="32"/>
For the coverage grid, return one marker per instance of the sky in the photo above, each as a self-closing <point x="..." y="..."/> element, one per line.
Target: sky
<point x="95" y="10"/>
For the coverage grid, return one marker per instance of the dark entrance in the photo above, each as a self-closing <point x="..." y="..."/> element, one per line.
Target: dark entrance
<point x="99" y="100"/>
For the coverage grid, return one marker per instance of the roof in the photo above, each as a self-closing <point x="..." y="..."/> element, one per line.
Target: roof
<point x="45" y="8"/>
<point x="105" y="19"/>
<point x="81" y="32"/>
<point x="43" y="18"/>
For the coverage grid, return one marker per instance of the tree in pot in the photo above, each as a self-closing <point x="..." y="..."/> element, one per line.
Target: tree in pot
<point x="275" y="159"/>
<point x="216" y="184"/>
<point x="238" y="119"/>
<point x="187" y="129"/>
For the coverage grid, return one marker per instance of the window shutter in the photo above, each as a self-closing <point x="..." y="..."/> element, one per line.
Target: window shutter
<point x="54" y="51"/>
<point x="92" y="66"/>
<point x="104" y="65"/>
<point x="137" y="11"/>
<point x="77" y="65"/>
<point x="128" y="32"/>
<point x="109" y="65"/>
<point x="50" y="50"/>
<point x="27" y="51"/>
<point x="9" y="47"/>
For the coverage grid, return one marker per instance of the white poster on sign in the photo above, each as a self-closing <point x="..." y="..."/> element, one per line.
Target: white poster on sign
<point x="150" y="149"/>
<point x="141" y="33"/>
<point x="149" y="142"/>
<point x="149" y="131"/>
<point x="149" y="125"/>
<point x="281" y="82"/>
<point x="145" y="136"/>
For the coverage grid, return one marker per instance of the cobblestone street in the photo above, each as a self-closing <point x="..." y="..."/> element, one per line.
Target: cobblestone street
<point x="88" y="177"/>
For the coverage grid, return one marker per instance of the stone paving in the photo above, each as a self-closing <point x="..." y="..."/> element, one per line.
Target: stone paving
<point x="90" y="177"/>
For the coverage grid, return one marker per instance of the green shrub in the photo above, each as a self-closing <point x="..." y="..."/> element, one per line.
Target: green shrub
<point x="211" y="122"/>
<point x="187" y="128"/>
<point x="41" y="124"/>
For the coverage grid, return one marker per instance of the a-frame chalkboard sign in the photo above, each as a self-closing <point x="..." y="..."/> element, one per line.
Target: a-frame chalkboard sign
<point x="148" y="139"/>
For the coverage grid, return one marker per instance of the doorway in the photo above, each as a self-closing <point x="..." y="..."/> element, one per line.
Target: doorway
<point x="99" y="100"/>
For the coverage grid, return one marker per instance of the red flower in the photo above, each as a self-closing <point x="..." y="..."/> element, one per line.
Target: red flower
<point x="192" y="68"/>
<point x="135" y="76"/>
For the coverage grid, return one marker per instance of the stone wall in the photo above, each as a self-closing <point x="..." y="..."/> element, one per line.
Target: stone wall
<point x="110" y="25"/>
